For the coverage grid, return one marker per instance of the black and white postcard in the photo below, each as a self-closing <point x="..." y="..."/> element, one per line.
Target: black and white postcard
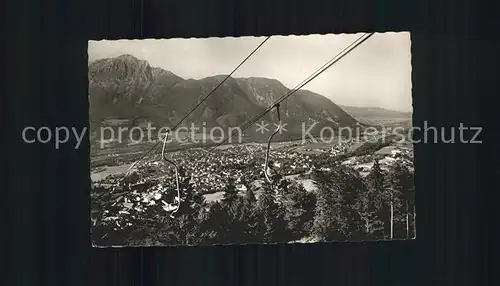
<point x="251" y="140"/>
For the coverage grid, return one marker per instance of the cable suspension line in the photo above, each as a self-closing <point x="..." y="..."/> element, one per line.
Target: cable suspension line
<point x="200" y="102"/>
<point x="322" y="69"/>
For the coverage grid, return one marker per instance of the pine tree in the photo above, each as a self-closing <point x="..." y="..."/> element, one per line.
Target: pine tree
<point x="242" y="221"/>
<point x="367" y="207"/>
<point x="351" y="186"/>
<point x="299" y="205"/>
<point x="370" y="203"/>
<point x="274" y="226"/>
<point x="152" y="233"/>
<point x="400" y="182"/>
<point x="230" y="207"/>
<point x="253" y="219"/>
<point x="328" y="221"/>
<point x="337" y="215"/>
<point x="377" y="207"/>
<point x="250" y="218"/>
<point x="214" y="226"/>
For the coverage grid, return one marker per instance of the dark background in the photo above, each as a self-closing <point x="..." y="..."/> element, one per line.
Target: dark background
<point x="46" y="65"/>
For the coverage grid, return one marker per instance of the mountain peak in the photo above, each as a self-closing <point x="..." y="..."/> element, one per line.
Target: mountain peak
<point x="263" y="80"/>
<point x="127" y="57"/>
<point x="160" y="72"/>
<point x="126" y="87"/>
<point x="220" y="76"/>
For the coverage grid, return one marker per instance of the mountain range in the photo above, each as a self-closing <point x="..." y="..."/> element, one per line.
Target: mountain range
<point x="374" y="112"/>
<point x="128" y="88"/>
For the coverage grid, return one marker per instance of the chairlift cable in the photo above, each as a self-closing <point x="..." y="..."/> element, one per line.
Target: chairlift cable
<point x="267" y="170"/>
<point x="201" y="101"/>
<point x="176" y="169"/>
<point x="322" y="69"/>
<point x="303" y="83"/>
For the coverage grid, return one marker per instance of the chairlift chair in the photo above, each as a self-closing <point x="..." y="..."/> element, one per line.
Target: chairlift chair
<point x="267" y="168"/>
<point x="163" y="155"/>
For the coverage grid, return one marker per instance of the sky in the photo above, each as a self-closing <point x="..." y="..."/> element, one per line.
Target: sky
<point x="375" y="74"/>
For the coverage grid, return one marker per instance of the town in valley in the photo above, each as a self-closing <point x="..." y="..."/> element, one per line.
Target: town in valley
<point x="351" y="187"/>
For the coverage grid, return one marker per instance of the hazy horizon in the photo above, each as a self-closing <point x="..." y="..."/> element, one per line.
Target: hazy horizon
<point x="382" y="63"/>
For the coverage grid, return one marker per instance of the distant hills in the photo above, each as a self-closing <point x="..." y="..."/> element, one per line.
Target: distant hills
<point x="129" y="88"/>
<point x="375" y="112"/>
<point x="377" y="116"/>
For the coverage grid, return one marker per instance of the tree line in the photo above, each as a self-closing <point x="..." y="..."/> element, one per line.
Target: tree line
<point x="345" y="206"/>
